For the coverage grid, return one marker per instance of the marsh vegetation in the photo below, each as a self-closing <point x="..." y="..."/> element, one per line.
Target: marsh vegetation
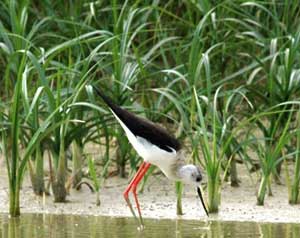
<point x="223" y="76"/>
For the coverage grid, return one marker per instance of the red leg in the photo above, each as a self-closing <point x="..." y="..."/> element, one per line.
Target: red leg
<point x="134" y="186"/>
<point x="125" y="194"/>
<point x="128" y="188"/>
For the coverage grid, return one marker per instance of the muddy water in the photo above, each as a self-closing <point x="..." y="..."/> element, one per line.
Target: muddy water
<point x="33" y="225"/>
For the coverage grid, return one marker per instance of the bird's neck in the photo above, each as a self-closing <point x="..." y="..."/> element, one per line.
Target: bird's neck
<point x="173" y="171"/>
<point x="180" y="172"/>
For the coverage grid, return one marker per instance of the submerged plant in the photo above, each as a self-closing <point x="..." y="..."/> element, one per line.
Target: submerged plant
<point x="179" y="189"/>
<point x="166" y="62"/>
<point x="97" y="182"/>
<point x="77" y="162"/>
<point x="269" y="153"/>
<point x="211" y="156"/>
<point x="10" y="139"/>
<point x="294" y="190"/>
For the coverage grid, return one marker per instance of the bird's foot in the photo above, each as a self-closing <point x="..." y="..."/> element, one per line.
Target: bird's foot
<point x="141" y="227"/>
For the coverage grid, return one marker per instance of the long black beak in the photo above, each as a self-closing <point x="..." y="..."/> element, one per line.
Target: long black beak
<point x="201" y="199"/>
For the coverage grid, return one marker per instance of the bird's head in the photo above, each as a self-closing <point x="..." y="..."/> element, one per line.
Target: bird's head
<point x="190" y="174"/>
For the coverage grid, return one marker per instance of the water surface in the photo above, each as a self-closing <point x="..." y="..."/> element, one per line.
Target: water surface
<point x="39" y="225"/>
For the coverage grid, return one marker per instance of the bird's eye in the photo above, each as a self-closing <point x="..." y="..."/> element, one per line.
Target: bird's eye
<point x="198" y="179"/>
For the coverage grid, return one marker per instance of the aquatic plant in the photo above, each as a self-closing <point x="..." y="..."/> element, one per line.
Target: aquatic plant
<point x="223" y="77"/>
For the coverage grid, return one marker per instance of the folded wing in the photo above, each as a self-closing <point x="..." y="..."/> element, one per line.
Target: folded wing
<point x="140" y="127"/>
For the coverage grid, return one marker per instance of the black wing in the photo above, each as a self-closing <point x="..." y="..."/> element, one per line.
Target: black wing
<point x="142" y="127"/>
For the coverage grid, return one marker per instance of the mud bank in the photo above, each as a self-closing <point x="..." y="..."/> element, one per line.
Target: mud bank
<point x="159" y="201"/>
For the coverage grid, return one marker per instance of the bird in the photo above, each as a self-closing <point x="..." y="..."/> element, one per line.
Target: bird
<point x="157" y="147"/>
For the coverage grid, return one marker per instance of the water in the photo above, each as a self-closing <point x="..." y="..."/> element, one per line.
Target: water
<point x="34" y="225"/>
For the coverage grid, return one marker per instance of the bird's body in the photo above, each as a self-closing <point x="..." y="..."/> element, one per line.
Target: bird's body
<point x="153" y="154"/>
<point x="150" y="141"/>
<point x="155" y="145"/>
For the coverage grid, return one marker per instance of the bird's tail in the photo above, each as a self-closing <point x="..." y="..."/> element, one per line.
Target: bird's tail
<point x="106" y="99"/>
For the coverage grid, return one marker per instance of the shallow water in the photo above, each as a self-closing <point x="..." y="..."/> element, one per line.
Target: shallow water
<point x="39" y="225"/>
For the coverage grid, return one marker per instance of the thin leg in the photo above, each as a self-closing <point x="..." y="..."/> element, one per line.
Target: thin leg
<point x="134" y="187"/>
<point x="125" y="194"/>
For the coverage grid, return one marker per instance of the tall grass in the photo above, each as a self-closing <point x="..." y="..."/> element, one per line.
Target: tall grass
<point x="269" y="156"/>
<point x="222" y="76"/>
<point x="294" y="187"/>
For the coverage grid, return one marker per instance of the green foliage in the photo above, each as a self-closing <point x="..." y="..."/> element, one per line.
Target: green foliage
<point x="223" y="76"/>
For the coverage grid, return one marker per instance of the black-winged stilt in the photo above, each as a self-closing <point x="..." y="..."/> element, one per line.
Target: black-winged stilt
<point x="156" y="147"/>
